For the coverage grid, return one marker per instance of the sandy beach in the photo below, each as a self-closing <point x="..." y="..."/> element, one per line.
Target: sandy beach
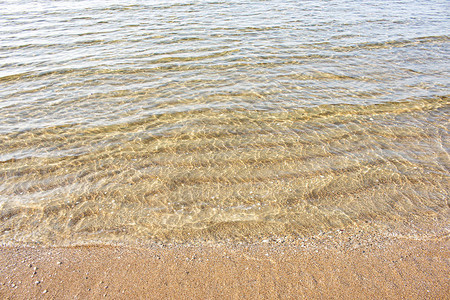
<point x="341" y="266"/>
<point x="224" y="149"/>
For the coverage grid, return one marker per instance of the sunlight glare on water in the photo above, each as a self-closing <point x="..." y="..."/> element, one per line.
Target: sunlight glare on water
<point x="221" y="120"/>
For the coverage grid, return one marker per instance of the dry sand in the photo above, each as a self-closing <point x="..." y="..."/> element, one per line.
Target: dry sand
<point x="336" y="267"/>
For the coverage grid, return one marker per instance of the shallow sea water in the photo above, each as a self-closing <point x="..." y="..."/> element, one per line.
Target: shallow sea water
<point x="182" y="121"/>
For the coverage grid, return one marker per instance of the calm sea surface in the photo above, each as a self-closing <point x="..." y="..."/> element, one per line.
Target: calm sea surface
<point x="125" y="121"/>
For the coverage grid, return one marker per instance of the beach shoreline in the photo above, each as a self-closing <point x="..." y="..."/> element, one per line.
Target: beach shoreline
<point x="337" y="267"/>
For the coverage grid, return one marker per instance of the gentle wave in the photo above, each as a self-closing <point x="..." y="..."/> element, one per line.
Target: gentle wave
<point x="221" y="120"/>
<point x="191" y="175"/>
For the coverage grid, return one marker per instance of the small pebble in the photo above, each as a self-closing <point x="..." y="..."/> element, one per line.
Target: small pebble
<point x="44" y="292"/>
<point x="37" y="282"/>
<point x="59" y="262"/>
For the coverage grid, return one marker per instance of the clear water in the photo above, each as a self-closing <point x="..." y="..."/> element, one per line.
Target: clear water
<point x="221" y="120"/>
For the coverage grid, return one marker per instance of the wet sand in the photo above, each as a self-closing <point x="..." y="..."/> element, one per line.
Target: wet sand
<point x="329" y="267"/>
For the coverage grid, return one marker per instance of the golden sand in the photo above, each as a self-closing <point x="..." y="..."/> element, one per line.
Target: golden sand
<point x="340" y="267"/>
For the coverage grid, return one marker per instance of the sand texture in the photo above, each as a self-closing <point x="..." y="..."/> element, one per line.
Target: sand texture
<point x="345" y="267"/>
